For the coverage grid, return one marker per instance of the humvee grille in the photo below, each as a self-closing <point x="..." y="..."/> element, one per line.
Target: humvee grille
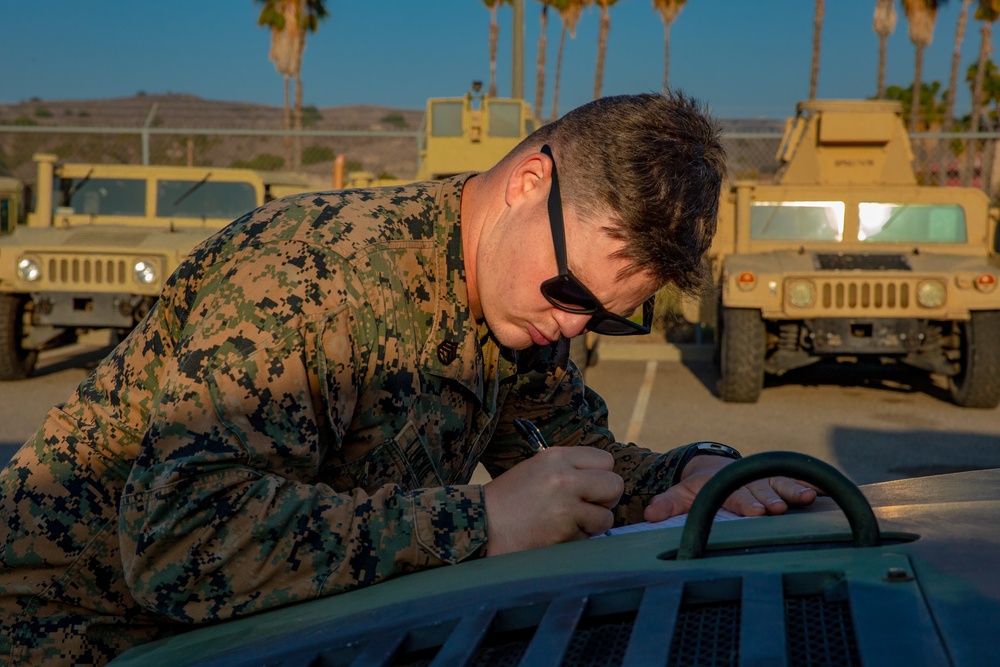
<point x="62" y="271"/>
<point x="841" y="294"/>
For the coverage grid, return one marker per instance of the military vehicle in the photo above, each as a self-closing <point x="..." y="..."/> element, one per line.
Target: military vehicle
<point x="844" y="257"/>
<point x="460" y="134"/>
<point x="904" y="575"/>
<point x="101" y="240"/>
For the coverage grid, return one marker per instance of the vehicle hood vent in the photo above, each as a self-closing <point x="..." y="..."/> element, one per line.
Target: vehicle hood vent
<point x="764" y="618"/>
<point x="861" y="262"/>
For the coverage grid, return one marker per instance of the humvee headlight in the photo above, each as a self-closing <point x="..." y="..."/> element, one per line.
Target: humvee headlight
<point x="145" y="272"/>
<point x="930" y="294"/>
<point x="801" y="293"/>
<point x="29" y="270"/>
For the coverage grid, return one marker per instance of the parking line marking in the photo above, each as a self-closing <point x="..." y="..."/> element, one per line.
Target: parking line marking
<point x="641" y="402"/>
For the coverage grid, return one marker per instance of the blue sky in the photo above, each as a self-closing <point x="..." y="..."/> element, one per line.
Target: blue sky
<point x="743" y="57"/>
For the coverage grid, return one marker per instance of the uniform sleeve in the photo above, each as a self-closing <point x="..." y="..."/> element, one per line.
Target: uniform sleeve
<point x="550" y="392"/>
<point x="223" y="514"/>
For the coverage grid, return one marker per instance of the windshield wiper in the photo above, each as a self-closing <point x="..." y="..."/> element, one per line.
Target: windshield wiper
<point x="190" y="190"/>
<point x="73" y="189"/>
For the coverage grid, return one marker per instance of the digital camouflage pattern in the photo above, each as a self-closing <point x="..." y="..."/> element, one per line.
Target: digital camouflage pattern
<point x="299" y="415"/>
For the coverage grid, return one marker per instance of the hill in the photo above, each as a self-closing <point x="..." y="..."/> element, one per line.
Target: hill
<point x="192" y="133"/>
<point x="258" y="144"/>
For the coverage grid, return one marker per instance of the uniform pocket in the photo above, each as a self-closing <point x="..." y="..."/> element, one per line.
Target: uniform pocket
<point x="402" y="460"/>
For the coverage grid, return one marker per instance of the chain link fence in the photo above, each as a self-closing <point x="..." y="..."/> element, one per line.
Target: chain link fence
<point x="378" y="140"/>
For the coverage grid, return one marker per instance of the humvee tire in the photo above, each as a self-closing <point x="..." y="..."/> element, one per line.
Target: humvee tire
<point x="16" y="363"/>
<point x="977" y="384"/>
<point x="741" y="355"/>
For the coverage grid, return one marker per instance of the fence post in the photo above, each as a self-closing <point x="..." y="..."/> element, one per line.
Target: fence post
<point x="145" y="133"/>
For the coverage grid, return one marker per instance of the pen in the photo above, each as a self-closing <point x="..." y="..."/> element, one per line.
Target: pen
<point x="530" y="434"/>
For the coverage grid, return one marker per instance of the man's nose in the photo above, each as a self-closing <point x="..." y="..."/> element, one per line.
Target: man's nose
<point x="570" y="324"/>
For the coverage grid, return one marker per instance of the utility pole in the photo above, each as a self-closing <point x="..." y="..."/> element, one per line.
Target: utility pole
<point x="517" y="58"/>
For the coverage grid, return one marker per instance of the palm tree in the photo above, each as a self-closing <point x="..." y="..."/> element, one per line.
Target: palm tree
<point x="926" y="105"/>
<point x="602" y="44"/>
<point x="956" y="58"/>
<point x="884" y="24"/>
<point x="540" y="61"/>
<point x="290" y="21"/>
<point x="669" y="9"/>
<point x="569" y="15"/>
<point x="494" y="39"/>
<point x="987" y="12"/>
<point x="921" y="15"/>
<point x="817" y="30"/>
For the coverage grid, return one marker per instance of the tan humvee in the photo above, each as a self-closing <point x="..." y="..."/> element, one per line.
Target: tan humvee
<point x="101" y="240"/>
<point x="469" y="133"/>
<point x="845" y="257"/>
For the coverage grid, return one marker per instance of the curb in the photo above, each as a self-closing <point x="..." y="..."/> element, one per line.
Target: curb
<point x="654" y="351"/>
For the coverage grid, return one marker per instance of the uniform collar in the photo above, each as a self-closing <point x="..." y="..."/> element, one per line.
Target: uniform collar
<point x="458" y="347"/>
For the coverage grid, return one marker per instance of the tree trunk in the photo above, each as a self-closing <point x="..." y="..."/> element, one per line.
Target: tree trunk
<point x="918" y="71"/>
<point x="494" y="37"/>
<point x="288" y="120"/>
<point x="883" y="40"/>
<point x="817" y="31"/>
<point x="666" y="57"/>
<point x="956" y="57"/>
<point x="977" y="99"/>
<point x="602" y="45"/>
<point x="297" y="154"/>
<point x="540" y="73"/>
<point x="555" y="85"/>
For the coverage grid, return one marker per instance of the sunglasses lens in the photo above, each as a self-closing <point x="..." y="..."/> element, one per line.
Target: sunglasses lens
<point x="568" y="294"/>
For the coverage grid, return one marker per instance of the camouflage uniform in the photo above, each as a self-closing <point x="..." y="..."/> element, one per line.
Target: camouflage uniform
<point x="299" y="415"/>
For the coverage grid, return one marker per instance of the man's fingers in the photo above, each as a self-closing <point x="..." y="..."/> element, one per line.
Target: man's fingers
<point x="581" y="458"/>
<point x="594" y="519"/>
<point x="675" y="500"/>
<point x="600" y="487"/>
<point x="773" y="495"/>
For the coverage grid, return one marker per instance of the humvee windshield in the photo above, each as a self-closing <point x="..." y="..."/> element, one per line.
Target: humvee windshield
<point x="204" y="199"/>
<point x="102" y="196"/>
<point x="911" y="223"/>
<point x="797" y="221"/>
<point x="446" y="119"/>
<point x="505" y="119"/>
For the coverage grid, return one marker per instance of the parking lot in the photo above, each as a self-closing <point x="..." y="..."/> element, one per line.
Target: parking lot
<point x="874" y="423"/>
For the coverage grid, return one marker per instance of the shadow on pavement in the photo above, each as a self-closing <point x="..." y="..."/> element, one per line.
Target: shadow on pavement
<point x="7" y="450"/>
<point x="892" y="378"/>
<point x="861" y="449"/>
<point x="66" y="359"/>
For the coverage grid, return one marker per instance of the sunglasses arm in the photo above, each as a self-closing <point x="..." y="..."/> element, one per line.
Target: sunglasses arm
<point x="556" y="216"/>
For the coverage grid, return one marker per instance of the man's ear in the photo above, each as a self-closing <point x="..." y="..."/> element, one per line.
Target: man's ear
<point x="530" y="177"/>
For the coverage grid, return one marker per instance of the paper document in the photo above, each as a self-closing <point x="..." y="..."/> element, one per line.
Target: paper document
<point x="672" y="522"/>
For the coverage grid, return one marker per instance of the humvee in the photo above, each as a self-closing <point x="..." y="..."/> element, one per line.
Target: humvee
<point x="895" y="576"/>
<point x="460" y="134"/>
<point x="844" y="257"/>
<point x="101" y="240"/>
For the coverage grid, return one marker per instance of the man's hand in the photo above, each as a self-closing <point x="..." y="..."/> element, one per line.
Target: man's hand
<point x="559" y="495"/>
<point x="772" y="495"/>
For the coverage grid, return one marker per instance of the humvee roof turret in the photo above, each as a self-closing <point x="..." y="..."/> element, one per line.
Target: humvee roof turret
<point x="844" y="257"/>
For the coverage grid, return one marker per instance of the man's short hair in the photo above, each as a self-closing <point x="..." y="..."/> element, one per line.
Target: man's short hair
<point x="654" y="164"/>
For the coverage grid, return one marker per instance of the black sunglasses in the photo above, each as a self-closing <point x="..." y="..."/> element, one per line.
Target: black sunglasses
<point x="568" y="294"/>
